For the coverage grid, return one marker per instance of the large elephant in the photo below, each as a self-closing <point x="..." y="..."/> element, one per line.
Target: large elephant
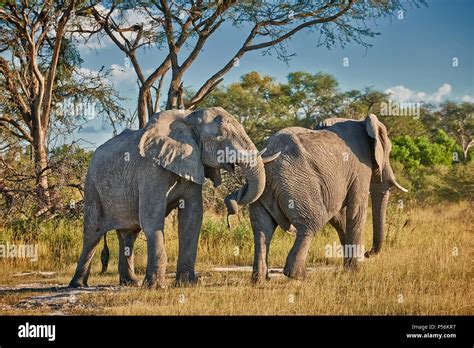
<point x="322" y="176"/>
<point x="135" y="179"/>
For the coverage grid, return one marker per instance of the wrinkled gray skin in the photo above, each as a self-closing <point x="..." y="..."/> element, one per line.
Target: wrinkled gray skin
<point x="322" y="176"/>
<point x="138" y="177"/>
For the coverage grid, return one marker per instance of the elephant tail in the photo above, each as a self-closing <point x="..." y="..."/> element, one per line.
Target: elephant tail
<point x="104" y="256"/>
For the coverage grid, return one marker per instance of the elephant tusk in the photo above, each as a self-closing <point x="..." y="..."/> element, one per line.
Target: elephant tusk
<point x="271" y="158"/>
<point x="228" y="222"/>
<point x="400" y="187"/>
<point x="261" y="152"/>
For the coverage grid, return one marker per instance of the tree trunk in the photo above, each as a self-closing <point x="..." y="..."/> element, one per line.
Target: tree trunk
<point x="41" y="164"/>
<point x="142" y="108"/>
<point x="145" y="106"/>
<point x="173" y="95"/>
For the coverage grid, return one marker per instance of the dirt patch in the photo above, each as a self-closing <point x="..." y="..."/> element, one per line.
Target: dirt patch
<point x="54" y="299"/>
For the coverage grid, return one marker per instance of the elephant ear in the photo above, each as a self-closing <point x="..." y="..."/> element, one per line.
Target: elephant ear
<point x="377" y="131"/>
<point x="170" y="142"/>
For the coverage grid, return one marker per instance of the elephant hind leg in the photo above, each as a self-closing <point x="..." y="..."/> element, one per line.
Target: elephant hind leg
<point x="93" y="232"/>
<point x="306" y="229"/>
<point x="339" y="224"/>
<point x="84" y="264"/>
<point x="295" y="262"/>
<point x="104" y="256"/>
<point x="263" y="226"/>
<point x="126" y="266"/>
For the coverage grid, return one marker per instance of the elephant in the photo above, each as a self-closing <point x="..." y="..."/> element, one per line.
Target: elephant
<point x="322" y="175"/>
<point x="137" y="178"/>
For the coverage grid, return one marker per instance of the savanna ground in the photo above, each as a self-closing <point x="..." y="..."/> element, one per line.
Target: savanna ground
<point x="425" y="268"/>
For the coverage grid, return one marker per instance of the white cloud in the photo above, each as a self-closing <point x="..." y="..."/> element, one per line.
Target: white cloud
<point x="121" y="74"/>
<point x="400" y="93"/>
<point x="120" y="77"/>
<point x="468" y="99"/>
<point x="93" y="44"/>
<point x="403" y="94"/>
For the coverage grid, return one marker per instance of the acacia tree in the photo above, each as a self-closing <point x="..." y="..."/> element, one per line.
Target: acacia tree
<point x="37" y="66"/>
<point x="457" y="119"/>
<point x="267" y="25"/>
<point x="313" y="97"/>
<point x="25" y="34"/>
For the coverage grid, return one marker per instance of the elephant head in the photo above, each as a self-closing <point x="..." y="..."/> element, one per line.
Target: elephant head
<point x="195" y="145"/>
<point x="382" y="179"/>
<point x="382" y="174"/>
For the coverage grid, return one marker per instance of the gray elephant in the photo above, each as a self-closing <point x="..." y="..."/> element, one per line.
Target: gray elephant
<point x="322" y="176"/>
<point x="135" y="179"/>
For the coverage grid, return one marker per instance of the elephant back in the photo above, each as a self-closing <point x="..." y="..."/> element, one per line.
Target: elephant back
<point x="288" y="141"/>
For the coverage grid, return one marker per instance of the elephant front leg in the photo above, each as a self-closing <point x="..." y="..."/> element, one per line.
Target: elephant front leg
<point x="152" y="208"/>
<point x="156" y="264"/>
<point x="355" y="221"/>
<point x="263" y="227"/>
<point x="295" y="262"/>
<point x="126" y="265"/>
<point x="189" y="226"/>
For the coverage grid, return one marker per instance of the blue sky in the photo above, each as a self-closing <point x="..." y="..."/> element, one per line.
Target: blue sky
<point x="412" y="58"/>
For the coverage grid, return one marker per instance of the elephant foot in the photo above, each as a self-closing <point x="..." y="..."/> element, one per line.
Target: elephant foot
<point x="77" y="284"/>
<point x="352" y="264"/>
<point x="186" y="279"/>
<point x="370" y="253"/>
<point x="130" y="281"/>
<point x="259" y="277"/>
<point x="294" y="272"/>
<point x="154" y="282"/>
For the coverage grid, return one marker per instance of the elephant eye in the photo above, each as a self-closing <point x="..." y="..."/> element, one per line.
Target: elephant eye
<point x="223" y="135"/>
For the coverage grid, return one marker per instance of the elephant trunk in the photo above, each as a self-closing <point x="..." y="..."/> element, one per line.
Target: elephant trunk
<point x="254" y="172"/>
<point x="379" y="196"/>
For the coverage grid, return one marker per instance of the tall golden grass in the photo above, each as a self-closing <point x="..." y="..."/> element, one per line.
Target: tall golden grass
<point x="425" y="268"/>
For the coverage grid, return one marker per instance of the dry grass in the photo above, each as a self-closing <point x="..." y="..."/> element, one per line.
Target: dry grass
<point x="418" y="272"/>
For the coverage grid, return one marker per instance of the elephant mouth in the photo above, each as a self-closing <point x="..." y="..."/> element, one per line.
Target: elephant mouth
<point x="228" y="167"/>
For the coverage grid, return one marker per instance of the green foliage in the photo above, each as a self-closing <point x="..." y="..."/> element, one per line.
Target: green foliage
<point x="431" y="168"/>
<point x="458" y="183"/>
<point x="406" y="151"/>
<point x="357" y="104"/>
<point x="399" y="126"/>
<point x="258" y="102"/>
<point x="413" y="152"/>
<point x="312" y="97"/>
